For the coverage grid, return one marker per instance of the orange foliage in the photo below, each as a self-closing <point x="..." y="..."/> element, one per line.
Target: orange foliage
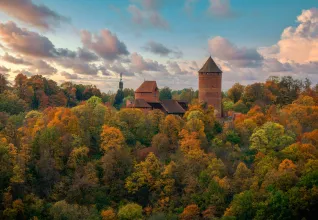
<point x="191" y="212"/>
<point x="112" y="138"/>
<point x="287" y="165"/>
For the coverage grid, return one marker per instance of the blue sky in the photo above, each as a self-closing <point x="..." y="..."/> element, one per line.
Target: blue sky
<point x="186" y="28"/>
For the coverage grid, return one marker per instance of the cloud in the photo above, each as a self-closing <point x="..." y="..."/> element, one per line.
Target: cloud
<point x="148" y="14"/>
<point x="139" y="64"/>
<point x="117" y="67"/>
<point x="160" y="49"/>
<point x="220" y="8"/>
<point x="176" y="69"/>
<point x="11" y="59"/>
<point x="106" y="45"/>
<point x="86" y="55"/>
<point x="30" y="13"/>
<point x="26" y="42"/>
<point x="80" y="67"/>
<point x="239" y="57"/>
<point x="42" y="68"/>
<point x="29" y="43"/>
<point x="300" y="44"/>
<point x="4" y="70"/>
<point x="69" y="75"/>
<point x="24" y="72"/>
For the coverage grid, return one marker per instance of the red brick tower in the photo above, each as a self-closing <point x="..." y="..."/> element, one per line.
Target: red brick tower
<point x="210" y="85"/>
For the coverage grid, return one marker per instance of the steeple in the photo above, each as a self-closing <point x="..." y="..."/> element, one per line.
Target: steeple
<point x="121" y="83"/>
<point x="210" y="67"/>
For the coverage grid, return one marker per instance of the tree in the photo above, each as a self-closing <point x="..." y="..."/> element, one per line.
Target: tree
<point x="171" y="126"/>
<point x="271" y="136"/>
<point x="240" y="107"/>
<point x="119" y="99"/>
<point x="235" y="92"/>
<point x="129" y="92"/>
<point x="146" y="174"/>
<point x="94" y="101"/>
<point x="131" y="211"/>
<point x="227" y="105"/>
<point x="191" y="212"/>
<point x="165" y="93"/>
<point x="112" y="139"/>
<point x="242" y="178"/>
<point x="11" y="103"/>
<point x="108" y="214"/>
<point x="216" y="168"/>
<point x="3" y="83"/>
<point x="63" y="210"/>
<point x="162" y="145"/>
<point x="241" y="206"/>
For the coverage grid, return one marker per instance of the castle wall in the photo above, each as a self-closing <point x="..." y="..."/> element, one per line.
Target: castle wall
<point x="147" y="96"/>
<point x="210" y="90"/>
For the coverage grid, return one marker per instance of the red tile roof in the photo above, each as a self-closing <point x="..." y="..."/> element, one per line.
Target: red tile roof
<point x="147" y="86"/>
<point x="139" y="103"/>
<point x="172" y="106"/>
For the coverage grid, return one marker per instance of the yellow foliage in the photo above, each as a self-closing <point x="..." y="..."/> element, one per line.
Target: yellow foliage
<point x="112" y="138"/>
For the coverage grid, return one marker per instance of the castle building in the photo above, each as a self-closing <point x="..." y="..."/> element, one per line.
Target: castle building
<point x="147" y="98"/>
<point x="210" y="85"/>
<point x="210" y="93"/>
<point x="148" y="91"/>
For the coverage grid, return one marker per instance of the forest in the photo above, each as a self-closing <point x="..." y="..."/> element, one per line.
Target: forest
<point x="70" y="151"/>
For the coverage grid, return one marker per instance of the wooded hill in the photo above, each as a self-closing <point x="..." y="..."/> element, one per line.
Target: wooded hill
<point x="65" y="154"/>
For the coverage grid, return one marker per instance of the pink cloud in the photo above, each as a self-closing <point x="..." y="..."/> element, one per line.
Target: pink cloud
<point x="28" y="12"/>
<point x="105" y="44"/>
<point x="25" y="42"/>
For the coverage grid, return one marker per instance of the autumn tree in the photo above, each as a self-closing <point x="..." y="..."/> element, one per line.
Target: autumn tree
<point x="112" y="139"/>
<point x="131" y="211"/>
<point x="191" y="212"/>
<point x="270" y="137"/>
<point x="235" y="92"/>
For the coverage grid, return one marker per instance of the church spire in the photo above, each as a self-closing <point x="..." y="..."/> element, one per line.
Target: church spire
<point x="121" y="83"/>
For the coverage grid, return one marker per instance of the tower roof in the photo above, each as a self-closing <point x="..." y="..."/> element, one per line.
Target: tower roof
<point x="147" y="86"/>
<point x="210" y="67"/>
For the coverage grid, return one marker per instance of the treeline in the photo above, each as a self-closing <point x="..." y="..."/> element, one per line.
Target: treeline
<point x="68" y="156"/>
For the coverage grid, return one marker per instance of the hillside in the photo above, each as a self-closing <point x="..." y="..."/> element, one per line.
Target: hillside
<point x="67" y="153"/>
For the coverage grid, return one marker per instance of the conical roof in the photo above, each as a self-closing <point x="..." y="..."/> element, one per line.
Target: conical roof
<point x="210" y="67"/>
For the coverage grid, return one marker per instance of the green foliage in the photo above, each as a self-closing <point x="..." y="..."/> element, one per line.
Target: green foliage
<point x="63" y="210"/>
<point x="94" y="101"/>
<point x="11" y="103"/>
<point x="233" y="137"/>
<point x="240" y="107"/>
<point x="165" y="93"/>
<point x="131" y="211"/>
<point x="242" y="206"/>
<point x="271" y="136"/>
<point x="119" y="99"/>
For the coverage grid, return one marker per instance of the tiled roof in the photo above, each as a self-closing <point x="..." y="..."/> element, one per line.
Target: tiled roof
<point x="172" y="106"/>
<point x="210" y="67"/>
<point x="147" y="86"/>
<point x="139" y="103"/>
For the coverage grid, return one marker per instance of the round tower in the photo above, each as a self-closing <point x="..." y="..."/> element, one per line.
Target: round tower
<point x="210" y="85"/>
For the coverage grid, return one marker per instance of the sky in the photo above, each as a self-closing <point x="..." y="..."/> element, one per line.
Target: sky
<point x="93" y="41"/>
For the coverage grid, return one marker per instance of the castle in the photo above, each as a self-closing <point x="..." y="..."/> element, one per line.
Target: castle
<point x="210" y="87"/>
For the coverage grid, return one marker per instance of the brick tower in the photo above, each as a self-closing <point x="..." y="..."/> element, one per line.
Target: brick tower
<point x="210" y="85"/>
